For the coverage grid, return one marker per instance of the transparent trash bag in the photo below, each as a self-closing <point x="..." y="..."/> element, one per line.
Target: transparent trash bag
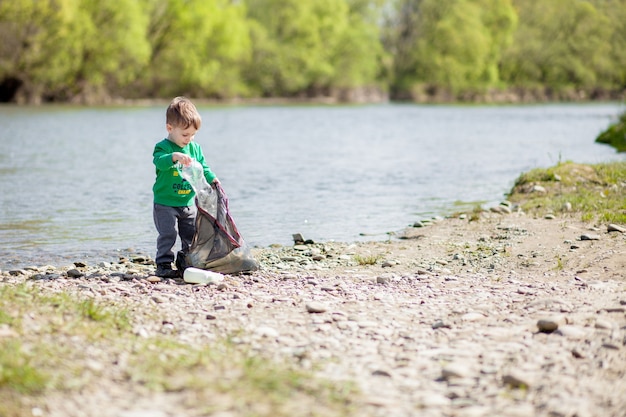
<point x="205" y="194"/>
<point x="217" y="245"/>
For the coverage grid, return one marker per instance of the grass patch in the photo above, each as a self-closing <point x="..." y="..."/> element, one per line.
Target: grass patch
<point x="367" y="259"/>
<point x="597" y="193"/>
<point x="224" y="378"/>
<point x="62" y="344"/>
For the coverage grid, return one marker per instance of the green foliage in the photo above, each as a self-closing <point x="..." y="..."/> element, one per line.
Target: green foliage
<point x="312" y="46"/>
<point x="91" y="51"/>
<point x="198" y="47"/>
<point x="291" y="53"/>
<point x="560" y="43"/>
<point x="615" y="135"/>
<point x="37" y="45"/>
<point x="453" y="44"/>
<point x="358" y="57"/>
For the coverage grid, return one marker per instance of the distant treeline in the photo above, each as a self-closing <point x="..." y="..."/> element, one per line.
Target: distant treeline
<point x="98" y="51"/>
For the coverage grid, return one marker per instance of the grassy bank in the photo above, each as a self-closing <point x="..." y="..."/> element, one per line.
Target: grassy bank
<point x="59" y="345"/>
<point x="615" y="135"/>
<point x="597" y="193"/>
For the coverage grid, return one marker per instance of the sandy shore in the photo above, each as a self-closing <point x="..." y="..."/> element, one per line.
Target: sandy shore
<point x="445" y="322"/>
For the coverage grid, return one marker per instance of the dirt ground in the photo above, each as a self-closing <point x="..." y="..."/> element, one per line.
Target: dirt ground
<point x="506" y="315"/>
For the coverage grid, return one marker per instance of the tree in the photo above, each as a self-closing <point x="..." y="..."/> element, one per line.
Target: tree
<point x="37" y="52"/>
<point x="292" y="43"/>
<point x="453" y="45"/>
<point x="559" y="44"/>
<point x="359" y="59"/>
<point x="198" y="48"/>
<point x="70" y="49"/>
<point x="313" y="46"/>
<point x="113" y="48"/>
<point x="612" y="71"/>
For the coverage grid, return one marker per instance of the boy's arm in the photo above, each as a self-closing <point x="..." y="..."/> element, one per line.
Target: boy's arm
<point x="164" y="158"/>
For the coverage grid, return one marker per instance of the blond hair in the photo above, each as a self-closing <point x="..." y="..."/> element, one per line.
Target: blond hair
<point x="183" y="113"/>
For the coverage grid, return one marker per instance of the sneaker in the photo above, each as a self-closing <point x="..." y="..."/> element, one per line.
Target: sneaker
<point x="165" y="271"/>
<point x="181" y="262"/>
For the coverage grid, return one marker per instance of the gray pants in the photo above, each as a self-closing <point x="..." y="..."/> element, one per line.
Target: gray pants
<point x="171" y="222"/>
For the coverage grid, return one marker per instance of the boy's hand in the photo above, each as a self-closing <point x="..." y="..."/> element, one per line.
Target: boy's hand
<point x="185" y="160"/>
<point x="215" y="181"/>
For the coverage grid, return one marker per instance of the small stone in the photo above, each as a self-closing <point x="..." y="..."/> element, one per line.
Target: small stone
<point x="75" y="273"/>
<point x="549" y="217"/>
<point x="548" y="325"/>
<point x="571" y="332"/>
<point x="265" y="331"/>
<point x="615" y="228"/>
<point x="158" y="299"/>
<point x="589" y="236"/>
<point x="314" y="307"/>
<point x="439" y="324"/>
<point x="383" y="279"/>
<point x="610" y="346"/>
<point x="603" y="324"/>
<point x="381" y="372"/>
<point x="539" y="189"/>
<point x="152" y="278"/>
<point x="517" y="379"/>
<point x="454" y="370"/>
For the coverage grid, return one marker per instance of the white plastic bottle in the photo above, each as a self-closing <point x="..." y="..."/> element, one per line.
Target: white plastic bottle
<point x="201" y="276"/>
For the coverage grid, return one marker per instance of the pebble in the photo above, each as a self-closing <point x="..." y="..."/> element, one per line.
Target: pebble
<point x="615" y="228"/>
<point x="549" y="324"/>
<point x="315" y="307"/>
<point x="517" y="379"/>
<point x="571" y="332"/>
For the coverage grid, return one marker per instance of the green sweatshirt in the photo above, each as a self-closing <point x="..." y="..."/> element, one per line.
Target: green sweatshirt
<point x="170" y="189"/>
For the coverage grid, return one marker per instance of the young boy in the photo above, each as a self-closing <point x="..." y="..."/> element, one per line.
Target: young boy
<point x="174" y="204"/>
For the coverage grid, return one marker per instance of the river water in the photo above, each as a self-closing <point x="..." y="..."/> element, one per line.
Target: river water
<point x="76" y="182"/>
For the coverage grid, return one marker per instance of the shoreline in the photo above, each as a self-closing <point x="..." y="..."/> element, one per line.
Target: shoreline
<point x="513" y="96"/>
<point x="441" y="322"/>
